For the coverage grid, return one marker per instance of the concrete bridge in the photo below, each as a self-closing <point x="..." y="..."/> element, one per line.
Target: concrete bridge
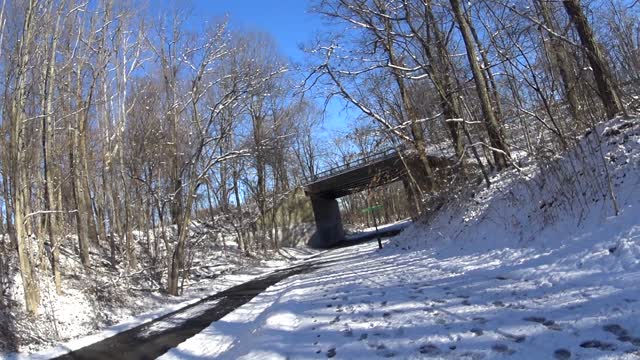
<point x="371" y="171"/>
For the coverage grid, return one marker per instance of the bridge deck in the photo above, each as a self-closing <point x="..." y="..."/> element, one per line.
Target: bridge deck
<point x="354" y="164"/>
<point x="377" y="169"/>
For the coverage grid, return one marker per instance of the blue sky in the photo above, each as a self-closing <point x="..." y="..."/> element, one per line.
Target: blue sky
<point x="291" y="24"/>
<point x="288" y="21"/>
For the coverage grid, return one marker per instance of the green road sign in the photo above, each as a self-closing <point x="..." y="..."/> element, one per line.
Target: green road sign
<point x="371" y="209"/>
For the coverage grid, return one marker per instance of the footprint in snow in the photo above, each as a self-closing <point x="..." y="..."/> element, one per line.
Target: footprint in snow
<point x="480" y="319"/>
<point x="622" y="334"/>
<point x="597" y="344"/>
<point x="616" y="330"/>
<point x="551" y="325"/>
<point x="477" y="331"/>
<point x="363" y="337"/>
<point x="503" y="349"/>
<point x="383" y="351"/>
<point x="498" y="303"/>
<point x="331" y="352"/>
<point x="562" y="354"/>
<point x="430" y="349"/>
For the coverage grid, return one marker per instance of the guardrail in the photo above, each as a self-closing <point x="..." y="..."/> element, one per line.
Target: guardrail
<point x="353" y="164"/>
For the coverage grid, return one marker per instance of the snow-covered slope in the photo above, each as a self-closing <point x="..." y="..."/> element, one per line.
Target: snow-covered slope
<point x="536" y="267"/>
<point x="104" y="301"/>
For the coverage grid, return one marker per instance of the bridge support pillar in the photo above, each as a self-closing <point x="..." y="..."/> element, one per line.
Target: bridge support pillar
<point x="329" y="230"/>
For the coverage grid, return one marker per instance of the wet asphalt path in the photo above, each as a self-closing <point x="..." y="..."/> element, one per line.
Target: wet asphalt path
<point x="150" y="340"/>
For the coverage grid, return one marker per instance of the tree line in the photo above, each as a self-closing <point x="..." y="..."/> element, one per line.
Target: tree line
<point x="483" y="81"/>
<point x="117" y="119"/>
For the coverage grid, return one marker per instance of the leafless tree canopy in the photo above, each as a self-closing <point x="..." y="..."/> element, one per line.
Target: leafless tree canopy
<point x="114" y="121"/>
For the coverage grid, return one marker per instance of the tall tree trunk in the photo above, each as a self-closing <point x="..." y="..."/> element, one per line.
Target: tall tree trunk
<point x="178" y="257"/>
<point x="78" y="194"/>
<point x="415" y="128"/>
<point x="442" y="79"/>
<point x="499" y="150"/>
<point x="48" y="139"/>
<point x="27" y="272"/>
<point x="558" y="55"/>
<point x="88" y="201"/>
<point x="487" y="74"/>
<point x="604" y="81"/>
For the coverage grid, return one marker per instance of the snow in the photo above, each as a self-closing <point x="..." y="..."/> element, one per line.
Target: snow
<point x="398" y="225"/>
<point x="537" y="266"/>
<point x="72" y="306"/>
<point x="222" y="284"/>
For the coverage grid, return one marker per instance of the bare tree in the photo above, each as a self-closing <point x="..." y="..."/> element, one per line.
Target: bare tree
<point x="606" y="90"/>
<point x="18" y="118"/>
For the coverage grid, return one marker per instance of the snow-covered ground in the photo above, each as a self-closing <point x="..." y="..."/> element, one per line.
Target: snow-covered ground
<point x="78" y="317"/>
<point x="536" y="267"/>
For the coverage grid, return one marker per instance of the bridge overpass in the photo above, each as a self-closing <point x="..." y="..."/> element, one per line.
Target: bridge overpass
<point x="370" y="171"/>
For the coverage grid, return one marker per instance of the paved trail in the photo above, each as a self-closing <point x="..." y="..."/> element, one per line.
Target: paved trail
<point x="150" y="340"/>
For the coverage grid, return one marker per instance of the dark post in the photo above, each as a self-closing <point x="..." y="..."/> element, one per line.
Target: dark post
<point x="375" y="223"/>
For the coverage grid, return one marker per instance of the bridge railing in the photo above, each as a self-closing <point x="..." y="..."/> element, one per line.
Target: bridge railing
<point x="354" y="164"/>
